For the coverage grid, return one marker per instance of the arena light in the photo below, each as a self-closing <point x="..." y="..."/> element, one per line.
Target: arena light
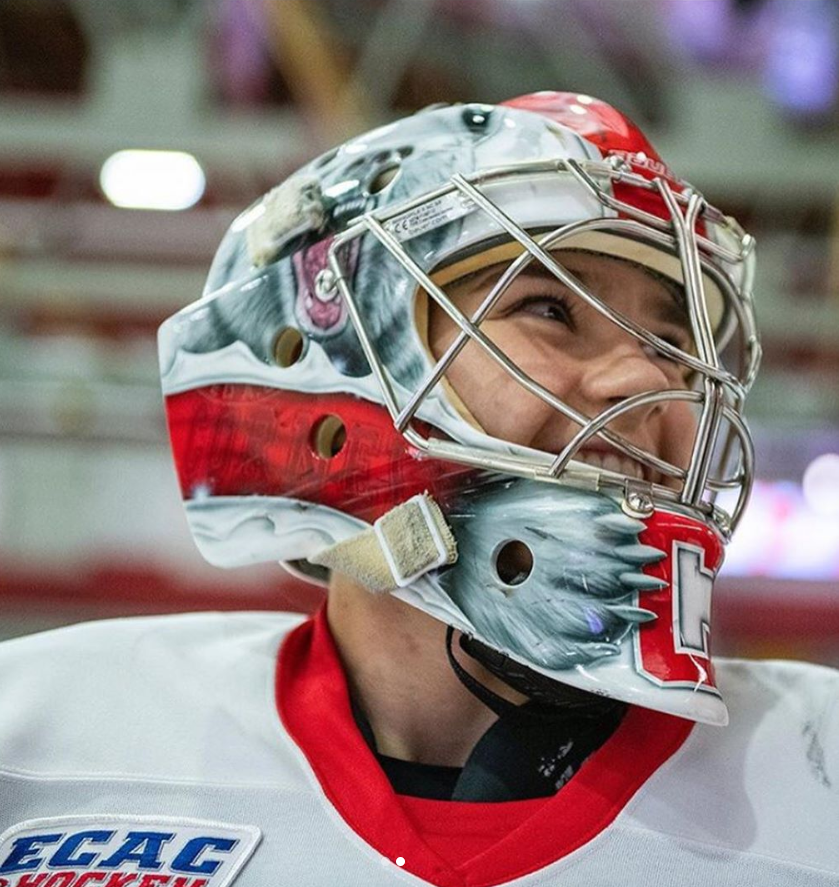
<point x="821" y="485"/>
<point x="802" y="64"/>
<point x="164" y="180"/>
<point x="704" y="30"/>
<point x="781" y="536"/>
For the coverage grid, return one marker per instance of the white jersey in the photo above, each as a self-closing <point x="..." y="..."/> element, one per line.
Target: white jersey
<point x="211" y="749"/>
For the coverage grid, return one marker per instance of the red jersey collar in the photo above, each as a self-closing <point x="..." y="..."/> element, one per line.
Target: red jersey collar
<point x="314" y="705"/>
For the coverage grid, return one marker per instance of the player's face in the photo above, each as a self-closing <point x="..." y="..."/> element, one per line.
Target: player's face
<point x="577" y="354"/>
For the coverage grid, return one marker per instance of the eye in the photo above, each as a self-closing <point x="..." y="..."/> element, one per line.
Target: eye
<point x="672" y="368"/>
<point x="675" y="335"/>
<point x="676" y="340"/>
<point x="545" y="306"/>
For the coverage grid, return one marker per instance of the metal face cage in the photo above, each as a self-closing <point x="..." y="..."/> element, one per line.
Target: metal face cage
<point x="706" y="246"/>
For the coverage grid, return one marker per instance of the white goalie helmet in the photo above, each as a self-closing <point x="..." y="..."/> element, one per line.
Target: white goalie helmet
<point x="317" y="421"/>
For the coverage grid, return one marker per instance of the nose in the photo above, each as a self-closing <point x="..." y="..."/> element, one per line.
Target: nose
<point x="618" y="371"/>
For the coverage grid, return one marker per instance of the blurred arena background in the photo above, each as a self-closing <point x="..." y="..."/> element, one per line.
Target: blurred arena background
<point x="740" y="96"/>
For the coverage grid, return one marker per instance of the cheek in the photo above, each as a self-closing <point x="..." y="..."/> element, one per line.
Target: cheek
<point x="678" y="429"/>
<point x="499" y="404"/>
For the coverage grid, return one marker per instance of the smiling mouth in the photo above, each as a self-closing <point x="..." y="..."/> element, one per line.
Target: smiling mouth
<point x="617" y="463"/>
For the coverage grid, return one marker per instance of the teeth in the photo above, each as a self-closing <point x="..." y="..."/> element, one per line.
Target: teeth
<point x="614" y="462"/>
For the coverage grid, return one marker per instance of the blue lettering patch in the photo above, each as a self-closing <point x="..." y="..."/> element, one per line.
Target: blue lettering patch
<point x="124" y="851"/>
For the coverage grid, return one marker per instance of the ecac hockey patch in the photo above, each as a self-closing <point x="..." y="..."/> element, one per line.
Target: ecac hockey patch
<point x="124" y="851"/>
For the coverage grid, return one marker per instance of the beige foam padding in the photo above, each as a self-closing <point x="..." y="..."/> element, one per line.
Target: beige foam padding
<point x="292" y="208"/>
<point x="405" y="543"/>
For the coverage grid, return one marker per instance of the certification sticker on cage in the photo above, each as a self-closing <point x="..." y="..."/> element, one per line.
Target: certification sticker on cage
<point x="431" y="215"/>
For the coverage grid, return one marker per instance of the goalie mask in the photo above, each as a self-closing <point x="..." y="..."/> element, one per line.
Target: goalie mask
<point x="346" y="396"/>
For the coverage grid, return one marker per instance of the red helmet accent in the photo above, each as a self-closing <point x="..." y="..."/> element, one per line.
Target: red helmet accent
<point x="615" y="135"/>
<point x="244" y="440"/>
<point x="599" y="123"/>
<point x="661" y="654"/>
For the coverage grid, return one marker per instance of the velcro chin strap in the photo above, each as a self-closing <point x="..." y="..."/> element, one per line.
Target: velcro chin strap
<point x="401" y="546"/>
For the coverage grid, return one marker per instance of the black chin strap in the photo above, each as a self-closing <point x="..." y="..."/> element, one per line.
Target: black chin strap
<point x="491" y="700"/>
<point x="535" y="709"/>
<point x="549" y="699"/>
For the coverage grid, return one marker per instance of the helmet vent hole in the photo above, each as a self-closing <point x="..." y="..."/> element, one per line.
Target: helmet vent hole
<point x="513" y="562"/>
<point x="288" y="347"/>
<point x="383" y="178"/>
<point x="328" y="437"/>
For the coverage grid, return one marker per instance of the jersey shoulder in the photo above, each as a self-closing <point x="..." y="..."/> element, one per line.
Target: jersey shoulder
<point x="156" y="697"/>
<point x="775" y="682"/>
<point x="741" y="787"/>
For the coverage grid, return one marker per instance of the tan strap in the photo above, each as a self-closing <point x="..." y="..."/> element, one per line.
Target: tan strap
<point x="401" y="546"/>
